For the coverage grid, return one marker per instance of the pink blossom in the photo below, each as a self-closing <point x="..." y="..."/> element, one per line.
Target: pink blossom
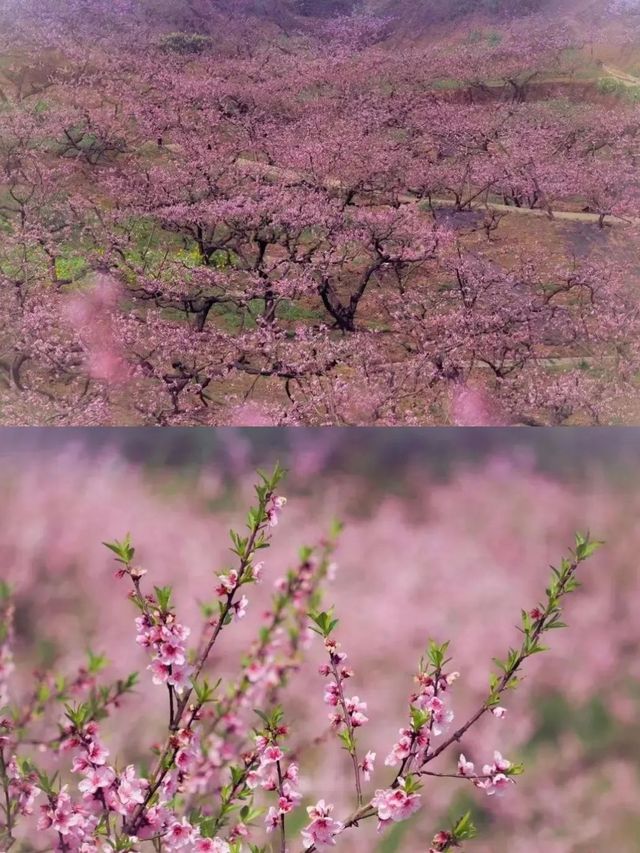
<point x="211" y="845"/>
<point x="288" y="799"/>
<point x="97" y="753"/>
<point x="130" y="788"/>
<point x="395" y="804"/>
<point x="98" y="777"/>
<point x="355" y="709"/>
<point x="323" y="828"/>
<point x="332" y="694"/>
<point x="240" y="608"/>
<point x="227" y="582"/>
<point x="272" y="819"/>
<point x="161" y="672"/>
<point x="465" y="768"/>
<point x="271" y="755"/>
<point x="367" y="765"/>
<point x="179" y="834"/>
<point x="273" y="511"/>
<point x="292" y="773"/>
<point x="401" y="749"/>
<point x="180" y="678"/>
<point x="170" y="653"/>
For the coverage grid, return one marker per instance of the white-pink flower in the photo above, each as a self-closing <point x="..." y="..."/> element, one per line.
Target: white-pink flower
<point x="356" y="709"/>
<point x="179" y="678"/>
<point x="179" y="834"/>
<point x="400" y="750"/>
<point x="211" y="845"/>
<point x="288" y="799"/>
<point x="466" y="768"/>
<point x="500" y="764"/>
<point x="97" y="754"/>
<point x="160" y="672"/>
<point x="227" y="582"/>
<point x="291" y="773"/>
<point x="97" y="777"/>
<point x="323" y="828"/>
<point x="277" y="503"/>
<point x="367" y="765"/>
<point x="497" y="779"/>
<point x="171" y="653"/>
<point x="131" y="789"/>
<point x="332" y="694"/>
<point x="272" y="819"/>
<point x="395" y="804"/>
<point x="441" y="716"/>
<point x="240" y="608"/>
<point x="271" y="755"/>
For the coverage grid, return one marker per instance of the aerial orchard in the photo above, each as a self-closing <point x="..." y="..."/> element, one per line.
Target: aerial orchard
<point x="310" y="225"/>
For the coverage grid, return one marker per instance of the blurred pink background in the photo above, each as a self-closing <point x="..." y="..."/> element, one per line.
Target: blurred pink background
<point x="446" y="541"/>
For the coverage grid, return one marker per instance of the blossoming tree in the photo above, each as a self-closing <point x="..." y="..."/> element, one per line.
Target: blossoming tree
<point x="183" y="237"/>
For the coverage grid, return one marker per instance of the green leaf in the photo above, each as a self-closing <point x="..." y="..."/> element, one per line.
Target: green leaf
<point x="419" y="718"/>
<point x="436" y="654"/>
<point x="585" y="546"/>
<point x="463" y="829"/>
<point x="123" y="550"/>
<point x="324" y="621"/>
<point x="163" y="597"/>
<point x="96" y="662"/>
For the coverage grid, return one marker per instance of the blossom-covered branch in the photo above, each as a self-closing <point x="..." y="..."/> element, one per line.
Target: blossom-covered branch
<point x="225" y="775"/>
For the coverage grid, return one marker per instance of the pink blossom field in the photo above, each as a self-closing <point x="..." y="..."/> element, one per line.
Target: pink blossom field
<point x="319" y="212"/>
<point x="425" y="556"/>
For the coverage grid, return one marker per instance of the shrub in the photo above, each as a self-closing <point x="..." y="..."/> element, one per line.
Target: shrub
<point x="185" y="43"/>
<point x="610" y="86"/>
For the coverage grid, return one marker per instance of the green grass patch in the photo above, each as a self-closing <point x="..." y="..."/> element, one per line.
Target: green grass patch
<point x="293" y="312"/>
<point x="71" y="268"/>
<point x="612" y="86"/>
<point x="448" y="83"/>
<point x="591" y="722"/>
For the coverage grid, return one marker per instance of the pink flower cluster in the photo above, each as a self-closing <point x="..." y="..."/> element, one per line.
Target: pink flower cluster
<point x="21" y="785"/>
<point x="273" y="510"/>
<point x="228" y="583"/>
<point x="494" y="778"/>
<point x="166" y="639"/>
<point x="211" y="769"/>
<point x="352" y="710"/>
<point x="395" y="804"/>
<point x="103" y="792"/>
<point x="120" y="794"/>
<point x="322" y="830"/>
<point x="73" y="824"/>
<point x="406" y="745"/>
<point x="271" y="775"/>
<point x="181" y="835"/>
<point x="161" y="820"/>
<point x="430" y="698"/>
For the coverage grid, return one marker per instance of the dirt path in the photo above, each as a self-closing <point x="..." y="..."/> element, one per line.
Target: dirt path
<point x="565" y="215"/>
<point x="622" y="76"/>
